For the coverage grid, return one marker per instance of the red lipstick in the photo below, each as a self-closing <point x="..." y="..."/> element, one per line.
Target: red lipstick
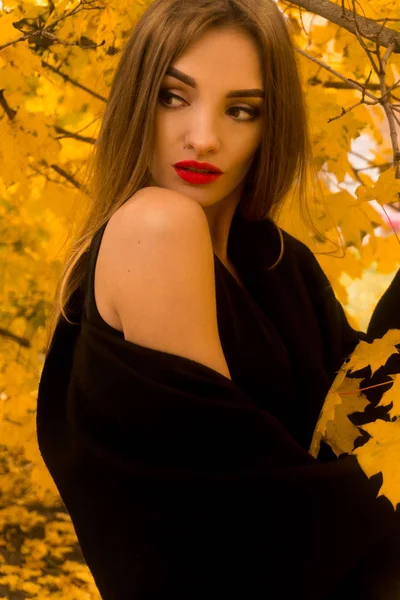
<point x="213" y="173"/>
<point x="194" y="164"/>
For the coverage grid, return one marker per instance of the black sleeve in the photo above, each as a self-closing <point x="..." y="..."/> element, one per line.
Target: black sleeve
<point x="376" y="575"/>
<point x="340" y="338"/>
<point x="178" y="486"/>
<point x="387" y="312"/>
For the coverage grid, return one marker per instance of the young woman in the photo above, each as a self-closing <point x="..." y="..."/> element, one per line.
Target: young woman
<point x="193" y="342"/>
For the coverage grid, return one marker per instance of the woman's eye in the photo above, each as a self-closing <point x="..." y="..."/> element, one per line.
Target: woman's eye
<point x="254" y="113"/>
<point x="164" y="95"/>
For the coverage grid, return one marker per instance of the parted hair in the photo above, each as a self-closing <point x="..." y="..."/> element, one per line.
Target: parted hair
<point x="119" y="164"/>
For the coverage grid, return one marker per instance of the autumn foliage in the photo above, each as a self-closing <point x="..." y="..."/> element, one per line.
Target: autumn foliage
<point x="57" y="61"/>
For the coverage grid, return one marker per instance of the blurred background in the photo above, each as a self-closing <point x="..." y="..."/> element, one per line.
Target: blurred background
<point x="57" y="61"/>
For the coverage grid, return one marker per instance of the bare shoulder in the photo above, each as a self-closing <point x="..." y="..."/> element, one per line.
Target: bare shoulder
<point x="158" y="204"/>
<point x="160" y="264"/>
<point x="160" y="216"/>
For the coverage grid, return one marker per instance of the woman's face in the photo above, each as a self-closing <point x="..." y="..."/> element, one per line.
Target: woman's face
<point x="203" y="124"/>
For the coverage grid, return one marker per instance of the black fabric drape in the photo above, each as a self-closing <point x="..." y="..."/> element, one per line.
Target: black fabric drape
<point x="178" y="484"/>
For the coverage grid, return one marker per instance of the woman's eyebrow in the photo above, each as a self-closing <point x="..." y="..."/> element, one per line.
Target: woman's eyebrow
<point x="256" y="93"/>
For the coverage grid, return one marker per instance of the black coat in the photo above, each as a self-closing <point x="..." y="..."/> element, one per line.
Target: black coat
<point x="181" y="483"/>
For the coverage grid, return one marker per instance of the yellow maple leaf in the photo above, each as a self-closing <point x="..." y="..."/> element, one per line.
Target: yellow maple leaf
<point x="8" y="32"/>
<point x="58" y="10"/>
<point x="322" y="34"/>
<point x="386" y="189"/>
<point x="341" y="434"/>
<point x="333" y="425"/>
<point x="327" y="413"/>
<point x="376" y="353"/>
<point x="381" y="455"/>
<point x="392" y="395"/>
<point x="354" y="217"/>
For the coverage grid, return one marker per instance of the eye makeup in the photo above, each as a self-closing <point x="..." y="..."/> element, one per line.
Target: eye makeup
<point x="254" y="113"/>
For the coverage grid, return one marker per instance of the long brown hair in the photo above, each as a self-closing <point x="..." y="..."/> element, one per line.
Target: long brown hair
<point x="123" y="148"/>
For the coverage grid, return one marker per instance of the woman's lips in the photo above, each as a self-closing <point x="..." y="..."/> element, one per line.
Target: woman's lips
<point x="195" y="177"/>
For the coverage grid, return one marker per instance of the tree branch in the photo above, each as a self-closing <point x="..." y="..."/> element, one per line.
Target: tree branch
<point x="75" y="136"/>
<point x="371" y="164"/>
<point x="73" y="81"/>
<point x="67" y="176"/>
<point x="341" y="85"/>
<point x="349" y="82"/>
<point x="57" y="40"/>
<point x="63" y="173"/>
<point x="7" y="108"/>
<point x="83" y="5"/>
<point x="368" y="28"/>
<point x="384" y="100"/>
<point x="15" y="338"/>
<point x="391" y="117"/>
